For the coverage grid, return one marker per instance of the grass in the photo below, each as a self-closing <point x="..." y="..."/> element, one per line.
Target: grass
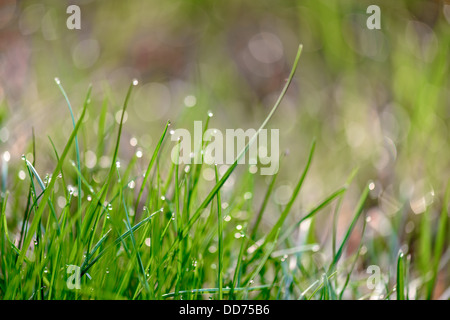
<point x="161" y="232"/>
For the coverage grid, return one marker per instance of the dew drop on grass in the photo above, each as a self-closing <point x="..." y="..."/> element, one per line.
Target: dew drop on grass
<point x="210" y="114"/>
<point x="163" y="198"/>
<point x="139" y="153"/>
<point x="135" y="82"/>
<point x="57" y="80"/>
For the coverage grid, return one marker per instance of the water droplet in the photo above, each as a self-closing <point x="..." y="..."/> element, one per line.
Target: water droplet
<point x="57" y="80"/>
<point x="135" y="82"/>
<point x="210" y="114"/>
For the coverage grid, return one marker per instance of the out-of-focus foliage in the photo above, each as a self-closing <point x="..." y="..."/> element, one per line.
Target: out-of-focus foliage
<point x="378" y="100"/>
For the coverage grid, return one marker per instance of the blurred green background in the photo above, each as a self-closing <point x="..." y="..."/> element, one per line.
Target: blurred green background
<point x="374" y="99"/>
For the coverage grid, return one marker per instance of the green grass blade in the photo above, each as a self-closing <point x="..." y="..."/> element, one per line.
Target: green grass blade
<point x="401" y="273"/>
<point x="49" y="189"/>
<point x="150" y="166"/>
<point x="77" y="149"/>
<point x="440" y="242"/>
<point x="358" y="212"/>
<point x="220" y="240"/>
<point x="227" y="174"/>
